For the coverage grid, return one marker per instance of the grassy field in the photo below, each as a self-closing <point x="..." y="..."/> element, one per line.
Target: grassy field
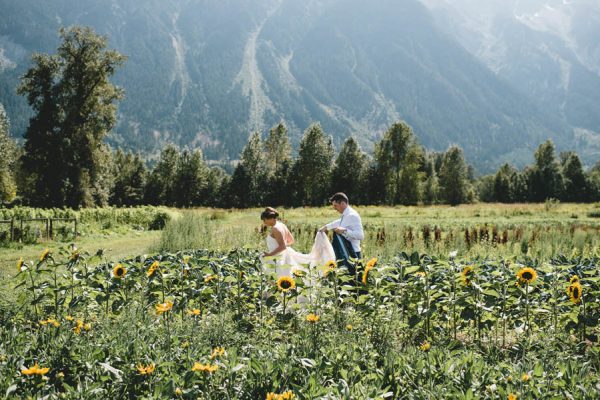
<point x="192" y="312"/>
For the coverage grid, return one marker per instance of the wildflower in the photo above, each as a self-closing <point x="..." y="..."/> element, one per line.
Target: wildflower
<point x="69" y="318"/>
<point x="575" y="291"/>
<point x="217" y="352"/>
<point x="368" y="268"/>
<point x="145" y="370"/>
<point x="44" y="254"/>
<point x="285" y="283"/>
<point x="163" y="307"/>
<point x="35" y="370"/>
<point x="371" y="263"/>
<point x="208" y="368"/>
<point x="527" y="275"/>
<point x="313" y="318"/>
<point x="525" y="377"/>
<point x="512" y="396"/>
<point x="420" y="274"/>
<point x="287" y="395"/>
<point x="119" y="271"/>
<point x="152" y="269"/>
<point x="50" y="321"/>
<point x="298" y="272"/>
<point x="87" y="326"/>
<point x="78" y="325"/>
<point x="186" y="259"/>
<point x="349" y="327"/>
<point x="574" y="279"/>
<point x="20" y="264"/>
<point x="194" y="312"/>
<point x="466" y="275"/>
<point x="425" y="346"/>
<point x="330" y="267"/>
<point x="178" y="392"/>
<point x="209" y="278"/>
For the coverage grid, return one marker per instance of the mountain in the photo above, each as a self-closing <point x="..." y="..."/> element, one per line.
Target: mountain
<point x="207" y="73"/>
<point x="547" y="49"/>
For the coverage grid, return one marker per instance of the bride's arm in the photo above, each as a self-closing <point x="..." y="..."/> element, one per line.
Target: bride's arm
<point x="278" y="235"/>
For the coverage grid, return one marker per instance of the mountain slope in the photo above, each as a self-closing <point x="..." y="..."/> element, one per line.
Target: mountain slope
<point x="206" y="74"/>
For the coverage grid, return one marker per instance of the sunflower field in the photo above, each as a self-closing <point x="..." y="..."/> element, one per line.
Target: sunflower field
<point x="219" y="325"/>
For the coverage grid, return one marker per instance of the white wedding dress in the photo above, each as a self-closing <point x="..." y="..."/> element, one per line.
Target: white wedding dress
<point x="289" y="260"/>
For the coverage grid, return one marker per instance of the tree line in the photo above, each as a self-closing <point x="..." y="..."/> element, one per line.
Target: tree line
<point x="65" y="161"/>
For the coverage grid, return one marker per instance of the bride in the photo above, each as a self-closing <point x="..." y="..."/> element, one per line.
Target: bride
<point x="286" y="259"/>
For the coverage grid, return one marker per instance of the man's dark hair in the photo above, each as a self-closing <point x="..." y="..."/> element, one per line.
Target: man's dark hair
<point x="339" y="197"/>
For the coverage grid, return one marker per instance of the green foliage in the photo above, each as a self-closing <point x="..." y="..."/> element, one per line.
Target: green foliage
<point x="399" y="158"/>
<point x="311" y="173"/>
<point x="8" y="149"/>
<point x="416" y="326"/>
<point x="453" y="177"/>
<point x="349" y="172"/>
<point x="73" y="100"/>
<point x="130" y="176"/>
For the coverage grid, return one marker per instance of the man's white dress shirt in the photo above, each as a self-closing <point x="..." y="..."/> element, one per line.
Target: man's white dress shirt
<point x="353" y="224"/>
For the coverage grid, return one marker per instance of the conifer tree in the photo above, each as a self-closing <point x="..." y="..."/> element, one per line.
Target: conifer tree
<point x="130" y="174"/>
<point x="349" y="172"/>
<point x="576" y="186"/>
<point x="250" y="178"/>
<point x="8" y="150"/>
<point x="191" y="179"/>
<point x="453" y="177"/>
<point x="279" y="163"/>
<point x="160" y="188"/>
<point x="545" y="180"/>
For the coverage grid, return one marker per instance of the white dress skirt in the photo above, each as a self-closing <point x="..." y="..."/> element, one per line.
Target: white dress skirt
<point x="289" y="260"/>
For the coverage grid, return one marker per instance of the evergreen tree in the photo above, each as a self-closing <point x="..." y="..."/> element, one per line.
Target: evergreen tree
<point x="399" y="156"/>
<point x="576" y="186"/>
<point x="485" y="188"/>
<point x="431" y="186"/>
<point x="279" y="164"/>
<point x="250" y="178"/>
<point x="8" y="151"/>
<point x="503" y="190"/>
<point x="311" y="173"/>
<point x="453" y="177"/>
<point x="130" y="179"/>
<point x="545" y="180"/>
<point x="349" y="172"/>
<point x="73" y="101"/>
<point x="216" y="184"/>
<point x="191" y="180"/>
<point x="160" y="187"/>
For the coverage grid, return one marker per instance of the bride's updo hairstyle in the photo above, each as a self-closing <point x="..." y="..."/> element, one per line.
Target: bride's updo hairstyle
<point x="269" y="213"/>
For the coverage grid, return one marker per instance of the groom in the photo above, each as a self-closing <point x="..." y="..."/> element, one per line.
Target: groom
<point x="348" y="232"/>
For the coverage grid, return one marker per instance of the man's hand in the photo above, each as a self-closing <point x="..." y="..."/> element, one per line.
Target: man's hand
<point x="340" y="230"/>
<point x="323" y="229"/>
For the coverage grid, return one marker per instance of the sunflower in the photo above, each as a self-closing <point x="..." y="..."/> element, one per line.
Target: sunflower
<point x="466" y="275"/>
<point x="425" y="346"/>
<point x="69" y="318"/>
<point x="287" y="395"/>
<point x="330" y="267"/>
<point x="298" y="272"/>
<point x="35" y="370"/>
<point x="178" y="391"/>
<point x="20" y="264"/>
<point x="217" y="352"/>
<point x="194" y="312"/>
<point x="163" y="307"/>
<point x="78" y="325"/>
<point x="50" y="321"/>
<point x="575" y="291"/>
<point x="525" y="377"/>
<point x="152" y="269"/>
<point x="574" y="279"/>
<point x="74" y="256"/>
<point x="145" y="370"/>
<point x="119" y="271"/>
<point x="313" y="318"/>
<point x="371" y="263"/>
<point x="208" y="368"/>
<point x="512" y="396"/>
<point x="285" y="284"/>
<point x="44" y="254"/>
<point x="209" y="278"/>
<point x="365" y="275"/>
<point x="272" y="396"/>
<point x="349" y="327"/>
<point x="527" y="275"/>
